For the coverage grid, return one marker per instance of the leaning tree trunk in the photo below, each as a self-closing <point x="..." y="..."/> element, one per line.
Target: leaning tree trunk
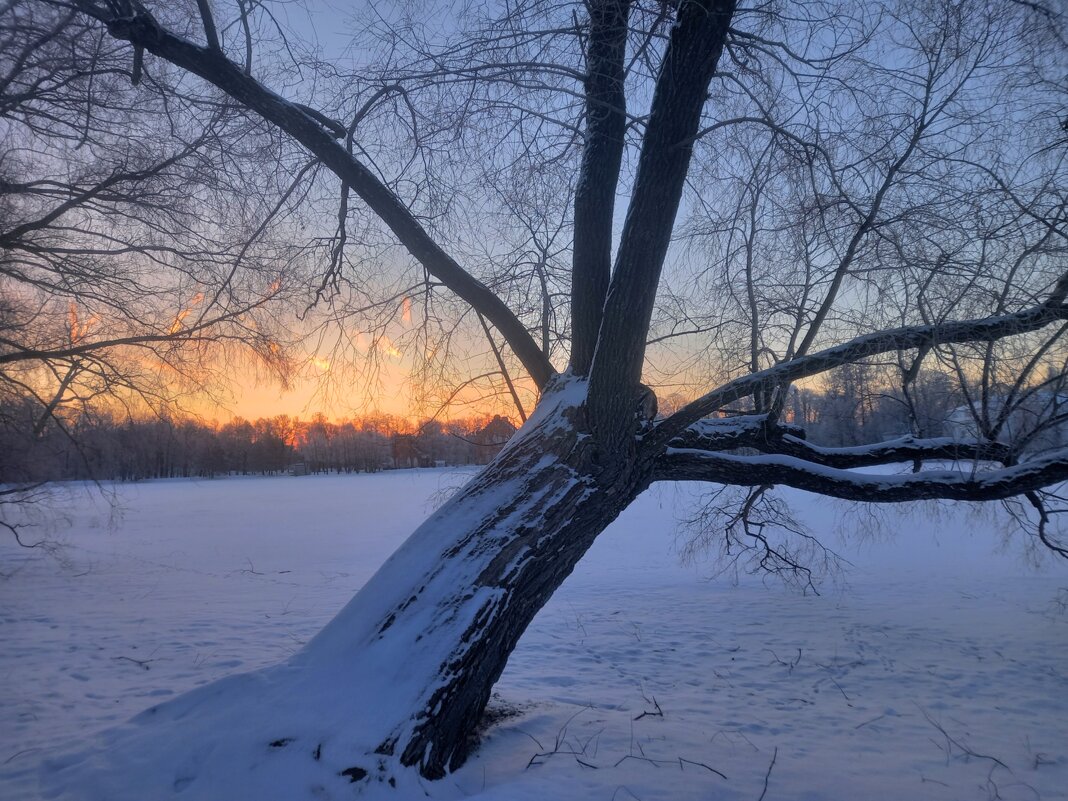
<point x="402" y="675"/>
<point x="496" y="555"/>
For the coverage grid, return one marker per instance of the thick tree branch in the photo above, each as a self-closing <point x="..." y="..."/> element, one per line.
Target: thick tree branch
<point x="602" y="155"/>
<point x="759" y="432"/>
<point x="984" y="329"/>
<point x="904" y="449"/>
<point x="693" y="465"/>
<point x="727" y="433"/>
<point x="211" y="35"/>
<point x="135" y="24"/>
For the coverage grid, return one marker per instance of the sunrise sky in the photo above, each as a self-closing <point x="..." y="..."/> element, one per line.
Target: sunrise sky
<point x="340" y="390"/>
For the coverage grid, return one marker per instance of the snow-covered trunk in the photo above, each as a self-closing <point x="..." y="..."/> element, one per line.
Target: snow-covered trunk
<point x="435" y="626"/>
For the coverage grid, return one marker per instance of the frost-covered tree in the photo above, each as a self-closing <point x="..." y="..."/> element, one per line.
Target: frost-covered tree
<point x="800" y="186"/>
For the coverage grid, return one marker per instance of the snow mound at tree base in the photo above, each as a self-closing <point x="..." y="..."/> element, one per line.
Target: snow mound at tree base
<point x="283" y="733"/>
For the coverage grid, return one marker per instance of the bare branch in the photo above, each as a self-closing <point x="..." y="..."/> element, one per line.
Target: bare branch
<point x="906" y="338"/>
<point x="139" y="27"/>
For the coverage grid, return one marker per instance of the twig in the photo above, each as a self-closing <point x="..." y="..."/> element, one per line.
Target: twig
<point x="656" y="763"/>
<point x="767" y="775"/>
<point x="727" y="735"/>
<point x="531" y="736"/>
<point x="701" y="765"/>
<point x="142" y="663"/>
<point x="865" y="723"/>
<point x="658" y="713"/>
<point x="20" y="753"/>
<point x="963" y="748"/>
<point x="925" y="780"/>
<point x="653" y="762"/>
<point x="839" y="686"/>
<point x="789" y="665"/>
<point x="561" y="738"/>
<point x="568" y="752"/>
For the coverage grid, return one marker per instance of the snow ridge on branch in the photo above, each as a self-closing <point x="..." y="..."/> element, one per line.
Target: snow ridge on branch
<point x="682" y="464"/>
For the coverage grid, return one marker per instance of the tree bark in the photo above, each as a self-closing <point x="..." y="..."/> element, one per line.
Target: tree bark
<point x="690" y="59"/>
<point x="595" y="195"/>
<point x="532" y="515"/>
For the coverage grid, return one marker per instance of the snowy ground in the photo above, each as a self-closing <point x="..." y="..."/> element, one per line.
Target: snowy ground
<point x="937" y="670"/>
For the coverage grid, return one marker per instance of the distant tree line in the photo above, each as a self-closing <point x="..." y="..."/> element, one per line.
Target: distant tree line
<point x="857" y="403"/>
<point x="105" y="447"/>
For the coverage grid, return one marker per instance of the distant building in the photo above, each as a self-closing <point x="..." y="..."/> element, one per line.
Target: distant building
<point x="297" y="469"/>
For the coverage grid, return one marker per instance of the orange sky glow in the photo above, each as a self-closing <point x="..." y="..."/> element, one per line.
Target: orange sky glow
<point x="319" y="388"/>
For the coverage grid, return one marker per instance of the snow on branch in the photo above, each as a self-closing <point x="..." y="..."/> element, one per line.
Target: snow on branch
<point x="903" y="449"/>
<point x="682" y="464"/>
<point x="726" y="433"/>
<point x="759" y="432"/>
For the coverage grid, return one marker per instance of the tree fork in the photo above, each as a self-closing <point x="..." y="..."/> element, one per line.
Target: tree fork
<point x="690" y="61"/>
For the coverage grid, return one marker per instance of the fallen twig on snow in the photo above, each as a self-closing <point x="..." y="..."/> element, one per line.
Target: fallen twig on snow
<point x="141" y="663"/>
<point x="964" y="749"/>
<point x="774" y="756"/>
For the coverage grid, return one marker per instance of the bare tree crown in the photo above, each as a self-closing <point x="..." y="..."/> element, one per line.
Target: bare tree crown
<point x="748" y="198"/>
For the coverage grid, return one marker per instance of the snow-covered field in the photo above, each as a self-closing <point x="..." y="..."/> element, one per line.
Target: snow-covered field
<point x="936" y="669"/>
